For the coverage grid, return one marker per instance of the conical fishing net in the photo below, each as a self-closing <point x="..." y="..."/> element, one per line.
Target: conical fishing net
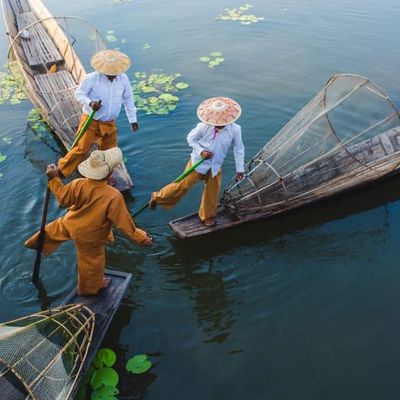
<point x="348" y="134"/>
<point x="42" y="355"/>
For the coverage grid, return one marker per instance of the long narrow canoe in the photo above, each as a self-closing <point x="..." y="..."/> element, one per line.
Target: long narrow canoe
<point x="45" y="65"/>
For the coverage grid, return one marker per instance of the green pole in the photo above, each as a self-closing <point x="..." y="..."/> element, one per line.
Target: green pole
<point x="83" y="129"/>
<point x="178" y="179"/>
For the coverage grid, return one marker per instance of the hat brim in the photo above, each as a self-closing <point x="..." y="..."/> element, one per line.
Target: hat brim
<point x="98" y="173"/>
<point x="102" y="64"/>
<point x="216" y="118"/>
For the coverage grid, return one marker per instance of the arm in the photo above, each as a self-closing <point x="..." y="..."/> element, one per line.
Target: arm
<point x="129" y="103"/>
<point x="66" y="195"/>
<point x="83" y="91"/>
<point x="118" y="214"/>
<point x="194" y="137"/>
<point x="238" y="152"/>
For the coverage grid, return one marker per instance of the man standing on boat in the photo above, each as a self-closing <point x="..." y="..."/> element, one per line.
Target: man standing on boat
<point x="103" y="91"/>
<point x="94" y="207"/>
<point x="211" y="140"/>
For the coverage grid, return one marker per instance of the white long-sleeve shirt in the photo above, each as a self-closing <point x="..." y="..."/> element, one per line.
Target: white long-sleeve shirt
<point x="96" y="86"/>
<point x="203" y="137"/>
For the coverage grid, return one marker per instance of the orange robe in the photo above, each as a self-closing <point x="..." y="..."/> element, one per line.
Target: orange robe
<point x="104" y="133"/>
<point x="94" y="207"/>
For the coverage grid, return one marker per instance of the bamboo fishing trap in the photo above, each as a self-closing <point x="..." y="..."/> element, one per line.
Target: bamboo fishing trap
<point x="347" y="135"/>
<point x="42" y="355"/>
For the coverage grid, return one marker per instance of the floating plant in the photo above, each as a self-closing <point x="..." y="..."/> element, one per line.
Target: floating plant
<point x="38" y="125"/>
<point x="138" y="364"/>
<point x="7" y="139"/>
<point x="110" y="37"/>
<point x="153" y="93"/>
<point x="213" y="59"/>
<point x="119" y="1"/>
<point x="239" y="14"/>
<point x="3" y="157"/>
<point x="9" y="91"/>
<point x="146" y="46"/>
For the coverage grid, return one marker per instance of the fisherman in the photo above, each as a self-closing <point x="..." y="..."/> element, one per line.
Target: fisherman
<point x="103" y="91"/>
<point x="94" y="207"/>
<point x="211" y="140"/>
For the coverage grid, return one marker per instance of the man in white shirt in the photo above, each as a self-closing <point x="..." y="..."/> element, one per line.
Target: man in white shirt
<point x="211" y="140"/>
<point x="104" y="91"/>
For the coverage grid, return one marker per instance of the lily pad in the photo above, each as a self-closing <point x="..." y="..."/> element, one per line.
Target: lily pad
<point x="169" y="98"/>
<point x="204" y="59"/>
<point x="104" y="376"/>
<point x="138" y="364"/>
<point x="146" y="46"/>
<point x="9" y="90"/>
<point x="7" y="139"/>
<point x="1" y="175"/>
<point x="105" y="393"/>
<point x="216" y="54"/>
<point x="3" y="157"/>
<point x="182" y="85"/>
<point x="238" y="14"/>
<point x="104" y="357"/>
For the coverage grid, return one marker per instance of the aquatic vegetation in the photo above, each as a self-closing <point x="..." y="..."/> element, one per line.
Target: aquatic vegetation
<point x="38" y="125"/>
<point x="110" y="37"/>
<point x="9" y="90"/>
<point x="146" y="46"/>
<point x="213" y="59"/>
<point x="104" y="376"/>
<point x="3" y="157"/>
<point x="239" y="14"/>
<point x="138" y="364"/>
<point x="154" y="92"/>
<point x="7" y="139"/>
<point x="104" y="357"/>
<point x="119" y="1"/>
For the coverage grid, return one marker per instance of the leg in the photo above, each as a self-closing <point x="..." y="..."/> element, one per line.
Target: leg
<point x="91" y="264"/>
<point x="171" y="194"/>
<point x="209" y="200"/>
<point x="69" y="163"/>
<point x="54" y="236"/>
<point x="108" y="135"/>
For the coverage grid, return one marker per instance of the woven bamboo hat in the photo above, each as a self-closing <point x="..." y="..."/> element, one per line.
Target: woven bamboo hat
<point x="100" y="164"/>
<point x="219" y="111"/>
<point x="110" y="62"/>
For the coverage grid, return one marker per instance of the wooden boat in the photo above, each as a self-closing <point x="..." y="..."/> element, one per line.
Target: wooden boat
<point x="57" y="345"/>
<point x="348" y="136"/>
<point x="44" y="63"/>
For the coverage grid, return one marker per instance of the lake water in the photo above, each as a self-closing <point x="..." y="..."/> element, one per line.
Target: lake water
<point x="301" y="307"/>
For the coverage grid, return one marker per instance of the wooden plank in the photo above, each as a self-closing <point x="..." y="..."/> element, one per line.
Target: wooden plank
<point x="386" y="143"/>
<point x="104" y="305"/>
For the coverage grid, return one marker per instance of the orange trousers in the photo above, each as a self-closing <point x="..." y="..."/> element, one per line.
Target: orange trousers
<point x="104" y="133"/>
<point x="171" y="194"/>
<point x="91" y="256"/>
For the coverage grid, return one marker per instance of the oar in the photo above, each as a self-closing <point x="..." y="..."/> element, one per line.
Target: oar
<point x="178" y="179"/>
<point x="42" y="232"/>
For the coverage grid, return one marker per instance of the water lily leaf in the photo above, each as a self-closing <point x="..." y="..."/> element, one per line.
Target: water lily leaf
<point x="3" y="157"/>
<point x="216" y="54"/>
<point x="204" y="59"/>
<point x="138" y="364"/>
<point x="168" y="97"/>
<point x="238" y="14"/>
<point x="146" y="46"/>
<point x="148" y="89"/>
<point x="213" y="63"/>
<point x="219" y="60"/>
<point x="104" y="376"/>
<point x="7" y="139"/>
<point x="111" y="38"/>
<point x="181" y="85"/>
<point x="1" y="175"/>
<point x="104" y="357"/>
<point x="105" y="393"/>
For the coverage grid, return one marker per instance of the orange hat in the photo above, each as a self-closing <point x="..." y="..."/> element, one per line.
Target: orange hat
<point x="219" y="111"/>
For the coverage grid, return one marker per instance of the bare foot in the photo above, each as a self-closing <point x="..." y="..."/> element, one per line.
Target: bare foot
<point x="106" y="282"/>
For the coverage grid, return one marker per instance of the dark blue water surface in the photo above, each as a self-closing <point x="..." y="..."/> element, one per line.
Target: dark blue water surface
<point x="301" y="307"/>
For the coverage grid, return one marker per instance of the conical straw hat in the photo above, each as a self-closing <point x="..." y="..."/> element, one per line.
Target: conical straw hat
<point x="110" y="62"/>
<point x="219" y="111"/>
<point x="100" y="164"/>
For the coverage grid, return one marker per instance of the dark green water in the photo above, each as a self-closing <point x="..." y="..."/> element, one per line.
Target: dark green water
<point x="304" y="307"/>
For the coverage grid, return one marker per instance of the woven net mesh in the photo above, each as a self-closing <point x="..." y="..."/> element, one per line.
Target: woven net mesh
<point x="41" y="355"/>
<point x="345" y="133"/>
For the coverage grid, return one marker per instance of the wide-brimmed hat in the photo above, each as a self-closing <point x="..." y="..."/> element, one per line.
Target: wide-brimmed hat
<point x="219" y="111"/>
<point x="100" y="163"/>
<point x="110" y="62"/>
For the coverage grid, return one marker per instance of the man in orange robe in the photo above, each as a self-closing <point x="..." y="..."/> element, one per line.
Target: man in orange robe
<point x="94" y="207"/>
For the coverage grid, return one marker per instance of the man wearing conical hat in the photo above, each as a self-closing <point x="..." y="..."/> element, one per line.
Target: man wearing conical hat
<point x="211" y="140"/>
<point x="104" y="90"/>
<point x="94" y="207"/>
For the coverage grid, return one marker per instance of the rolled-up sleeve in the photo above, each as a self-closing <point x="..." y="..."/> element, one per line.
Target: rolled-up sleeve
<point x="238" y="150"/>
<point x="66" y="195"/>
<point x="129" y="102"/>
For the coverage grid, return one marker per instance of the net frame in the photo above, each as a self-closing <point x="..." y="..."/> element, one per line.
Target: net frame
<point x="237" y="194"/>
<point x="81" y="319"/>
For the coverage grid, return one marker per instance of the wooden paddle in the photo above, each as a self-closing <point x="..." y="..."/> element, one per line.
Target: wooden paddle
<point x="42" y="232"/>
<point x="178" y="179"/>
